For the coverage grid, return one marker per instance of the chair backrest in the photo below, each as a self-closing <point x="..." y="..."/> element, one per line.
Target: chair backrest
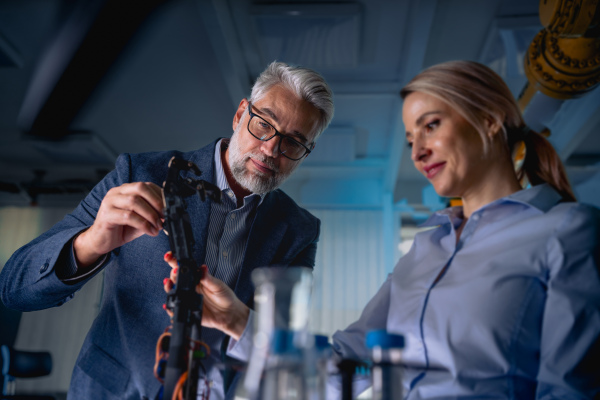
<point x="23" y="364"/>
<point x="9" y="321"/>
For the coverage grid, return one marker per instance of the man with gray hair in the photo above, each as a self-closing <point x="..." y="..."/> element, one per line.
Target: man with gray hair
<point x="118" y="228"/>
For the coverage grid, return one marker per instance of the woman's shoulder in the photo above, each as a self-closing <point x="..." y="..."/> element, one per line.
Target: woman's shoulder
<point x="559" y="213"/>
<point x="576" y="223"/>
<point x="574" y="212"/>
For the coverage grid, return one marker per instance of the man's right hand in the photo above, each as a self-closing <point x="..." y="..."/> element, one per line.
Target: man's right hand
<point x="221" y="308"/>
<point x="126" y="213"/>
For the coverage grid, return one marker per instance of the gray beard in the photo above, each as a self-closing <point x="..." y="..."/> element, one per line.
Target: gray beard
<point x="254" y="182"/>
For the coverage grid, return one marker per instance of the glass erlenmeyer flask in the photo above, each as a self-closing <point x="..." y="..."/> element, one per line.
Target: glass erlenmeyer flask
<point x="282" y="303"/>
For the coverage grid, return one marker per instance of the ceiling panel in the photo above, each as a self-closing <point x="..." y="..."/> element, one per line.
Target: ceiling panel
<point x="325" y="36"/>
<point x="372" y="115"/>
<point x="345" y="41"/>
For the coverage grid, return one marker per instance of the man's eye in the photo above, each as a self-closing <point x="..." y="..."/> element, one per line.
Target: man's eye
<point x="264" y="125"/>
<point x="291" y="143"/>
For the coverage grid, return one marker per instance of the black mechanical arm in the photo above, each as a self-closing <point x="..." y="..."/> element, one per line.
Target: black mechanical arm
<point x="183" y="362"/>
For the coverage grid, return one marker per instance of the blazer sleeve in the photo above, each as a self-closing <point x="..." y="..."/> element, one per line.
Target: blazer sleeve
<point x="570" y="343"/>
<point x="28" y="280"/>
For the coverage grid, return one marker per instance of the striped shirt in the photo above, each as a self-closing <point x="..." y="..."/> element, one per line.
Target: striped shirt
<point x="228" y="226"/>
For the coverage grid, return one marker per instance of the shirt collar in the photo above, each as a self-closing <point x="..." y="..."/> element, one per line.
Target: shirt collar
<point x="543" y="197"/>
<point x="221" y="179"/>
<point x="219" y="171"/>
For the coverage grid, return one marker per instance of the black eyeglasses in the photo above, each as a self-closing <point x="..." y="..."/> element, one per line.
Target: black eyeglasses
<point x="264" y="131"/>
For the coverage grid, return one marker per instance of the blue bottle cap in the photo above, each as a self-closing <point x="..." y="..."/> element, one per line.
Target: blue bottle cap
<point x="385" y="340"/>
<point x="321" y="341"/>
<point x="282" y="341"/>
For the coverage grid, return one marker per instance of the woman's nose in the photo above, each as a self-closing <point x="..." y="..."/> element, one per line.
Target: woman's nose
<point x="419" y="150"/>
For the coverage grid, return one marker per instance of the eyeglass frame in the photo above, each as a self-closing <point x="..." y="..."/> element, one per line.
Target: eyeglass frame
<point x="277" y="133"/>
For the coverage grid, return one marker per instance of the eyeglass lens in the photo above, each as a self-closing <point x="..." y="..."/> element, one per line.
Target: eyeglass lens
<point x="264" y="131"/>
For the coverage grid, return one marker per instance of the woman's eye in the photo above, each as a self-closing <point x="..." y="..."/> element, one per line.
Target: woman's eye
<point x="432" y="125"/>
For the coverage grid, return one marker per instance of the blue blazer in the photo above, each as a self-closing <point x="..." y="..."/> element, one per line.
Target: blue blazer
<point x="117" y="357"/>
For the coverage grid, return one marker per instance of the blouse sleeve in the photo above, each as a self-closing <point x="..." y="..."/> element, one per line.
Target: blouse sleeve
<point x="350" y="343"/>
<point x="570" y="343"/>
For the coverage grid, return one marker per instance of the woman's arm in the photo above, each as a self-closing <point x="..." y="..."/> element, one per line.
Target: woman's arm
<point x="570" y="343"/>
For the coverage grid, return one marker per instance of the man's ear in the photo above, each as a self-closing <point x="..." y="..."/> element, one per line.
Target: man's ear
<point x="237" y="117"/>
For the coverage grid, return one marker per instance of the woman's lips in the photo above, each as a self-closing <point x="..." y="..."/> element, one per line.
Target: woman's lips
<point x="261" y="167"/>
<point x="433" y="169"/>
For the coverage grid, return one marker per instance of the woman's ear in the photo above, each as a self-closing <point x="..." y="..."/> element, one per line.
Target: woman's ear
<point x="492" y="126"/>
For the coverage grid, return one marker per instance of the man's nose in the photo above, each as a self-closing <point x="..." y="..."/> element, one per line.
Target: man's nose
<point x="271" y="147"/>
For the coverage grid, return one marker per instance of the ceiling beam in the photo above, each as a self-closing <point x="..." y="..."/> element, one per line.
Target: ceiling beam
<point x="9" y="55"/>
<point x="221" y="30"/>
<point x="77" y="58"/>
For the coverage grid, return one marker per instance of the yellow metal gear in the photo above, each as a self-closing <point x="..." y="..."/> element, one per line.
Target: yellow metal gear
<point x="563" y="60"/>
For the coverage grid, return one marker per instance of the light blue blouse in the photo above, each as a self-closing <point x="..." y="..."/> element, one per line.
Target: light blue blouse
<point x="516" y="315"/>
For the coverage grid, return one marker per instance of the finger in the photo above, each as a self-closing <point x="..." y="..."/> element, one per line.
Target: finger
<point x="151" y="192"/>
<point x="168" y="284"/>
<point x="115" y="216"/>
<point x="147" y="193"/>
<point x="158" y="198"/>
<point x="155" y="198"/>
<point x="206" y="278"/>
<point x="203" y="273"/>
<point x="211" y="283"/>
<point x="169" y="312"/>
<point x="136" y="203"/>
<point x="170" y="259"/>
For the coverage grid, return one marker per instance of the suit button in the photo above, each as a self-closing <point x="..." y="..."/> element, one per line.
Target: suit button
<point x="44" y="268"/>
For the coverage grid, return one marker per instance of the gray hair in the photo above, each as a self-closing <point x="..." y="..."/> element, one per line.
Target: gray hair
<point x="307" y="84"/>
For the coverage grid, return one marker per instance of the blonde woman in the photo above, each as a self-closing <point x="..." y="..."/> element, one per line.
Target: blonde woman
<point x="502" y="298"/>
